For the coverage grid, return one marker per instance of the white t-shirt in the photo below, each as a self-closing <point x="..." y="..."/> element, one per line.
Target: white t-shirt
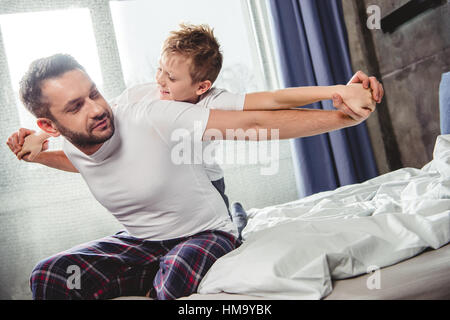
<point x="133" y="176"/>
<point x="213" y="99"/>
<point x="223" y="100"/>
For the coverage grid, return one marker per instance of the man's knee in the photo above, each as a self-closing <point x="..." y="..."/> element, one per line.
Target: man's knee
<point x="183" y="268"/>
<point x="54" y="277"/>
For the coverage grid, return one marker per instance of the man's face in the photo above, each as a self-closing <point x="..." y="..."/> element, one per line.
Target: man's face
<point x="174" y="79"/>
<point x="80" y="112"/>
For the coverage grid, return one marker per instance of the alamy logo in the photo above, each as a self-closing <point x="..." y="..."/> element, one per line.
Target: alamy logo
<point x="74" y="280"/>
<point x="374" y="280"/>
<point x="374" y="17"/>
<point x="190" y="149"/>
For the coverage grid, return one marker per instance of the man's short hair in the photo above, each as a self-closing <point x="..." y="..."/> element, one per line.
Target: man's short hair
<point x="197" y="43"/>
<point x="40" y="70"/>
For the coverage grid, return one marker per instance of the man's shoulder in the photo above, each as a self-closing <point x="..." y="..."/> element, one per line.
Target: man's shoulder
<point x="143" y="88"/>
<point x="141" y="94"/>
<point x="136" y="93"/>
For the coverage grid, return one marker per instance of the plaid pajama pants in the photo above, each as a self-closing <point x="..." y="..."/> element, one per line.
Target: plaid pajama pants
<point x="121" y="265"/>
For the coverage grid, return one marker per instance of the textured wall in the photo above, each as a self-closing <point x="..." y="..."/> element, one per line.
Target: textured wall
<point x="409" y="62"/>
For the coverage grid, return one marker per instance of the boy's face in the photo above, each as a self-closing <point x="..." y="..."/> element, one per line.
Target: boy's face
<point x="175" y="82"/>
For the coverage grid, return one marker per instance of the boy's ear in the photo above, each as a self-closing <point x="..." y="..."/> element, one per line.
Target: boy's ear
<point x="203" y="87"/>
<point x="48" y="126"/>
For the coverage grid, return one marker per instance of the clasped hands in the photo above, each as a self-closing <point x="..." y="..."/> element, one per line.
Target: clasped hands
<point x="359" y="98"/>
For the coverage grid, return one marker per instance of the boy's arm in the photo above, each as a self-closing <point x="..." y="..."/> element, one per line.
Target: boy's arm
<point x="287" y="98"/>
<point x="353" y="95"/>
<point x="286" y="123"/>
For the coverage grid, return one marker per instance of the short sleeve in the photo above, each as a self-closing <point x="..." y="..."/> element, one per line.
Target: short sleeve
<point x="173" y="119"/>
<point x="135" y="94"/>
<point x="223" y="100"/>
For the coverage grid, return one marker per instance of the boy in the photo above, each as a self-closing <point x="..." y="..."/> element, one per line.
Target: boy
<point x="190" y="63"/>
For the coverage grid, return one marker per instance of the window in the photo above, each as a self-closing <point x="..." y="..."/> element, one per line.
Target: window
<point x="142" y="26"/>
<point x="28" y="36"/>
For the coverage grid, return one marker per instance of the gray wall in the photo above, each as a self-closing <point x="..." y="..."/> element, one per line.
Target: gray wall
<point x="409" y="62"/>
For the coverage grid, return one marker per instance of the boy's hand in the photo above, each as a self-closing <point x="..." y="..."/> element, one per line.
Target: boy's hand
<point x="16" y="142"/>
<point x="31" y="147"/>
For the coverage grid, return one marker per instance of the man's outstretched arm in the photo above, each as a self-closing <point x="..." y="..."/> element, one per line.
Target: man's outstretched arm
<point x="55" y="159"/>
<point x="288" y="123"/>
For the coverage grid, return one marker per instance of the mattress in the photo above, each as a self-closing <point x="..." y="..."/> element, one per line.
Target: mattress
<point x="426" y="276"/>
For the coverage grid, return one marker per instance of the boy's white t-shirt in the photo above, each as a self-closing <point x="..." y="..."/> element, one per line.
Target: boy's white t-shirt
<point x="133" y="175"/>
<point x="223" y="100"/>
<point x="213" y="99"/>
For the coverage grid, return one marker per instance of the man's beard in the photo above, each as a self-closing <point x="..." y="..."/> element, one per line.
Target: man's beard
<point x="86" y="140"/>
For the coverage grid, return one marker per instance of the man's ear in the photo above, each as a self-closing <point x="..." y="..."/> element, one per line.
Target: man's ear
<point x="48" y="126"/>
<point x="203" y="87"/>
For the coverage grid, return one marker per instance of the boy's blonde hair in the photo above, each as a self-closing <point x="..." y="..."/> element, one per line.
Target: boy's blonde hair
<point x="197" y="43"/>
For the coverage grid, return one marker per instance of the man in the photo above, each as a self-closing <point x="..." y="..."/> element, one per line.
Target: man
<point x="177" y="224"/>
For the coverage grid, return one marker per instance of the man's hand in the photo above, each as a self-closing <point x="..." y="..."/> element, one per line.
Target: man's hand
<point x="16" y="141"/>
<point x="357" y="102"/>
<point x="361" y="114"/>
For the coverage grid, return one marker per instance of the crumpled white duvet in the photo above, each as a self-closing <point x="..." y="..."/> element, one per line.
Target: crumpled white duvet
<point x="294" y="250"/>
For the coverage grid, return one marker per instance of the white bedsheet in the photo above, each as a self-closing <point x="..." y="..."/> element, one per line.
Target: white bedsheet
<point x="293" y="250"/>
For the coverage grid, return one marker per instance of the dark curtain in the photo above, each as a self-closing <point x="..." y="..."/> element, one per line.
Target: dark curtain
<point x="313" y="51"/>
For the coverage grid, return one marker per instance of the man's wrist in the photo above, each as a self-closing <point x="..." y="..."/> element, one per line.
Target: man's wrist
<point x="40" y="157"/>
<point x="346" y="119"/>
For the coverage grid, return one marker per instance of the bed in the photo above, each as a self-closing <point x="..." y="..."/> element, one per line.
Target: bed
<point x="426" y="276"/>
<point x="386" y="238"/>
